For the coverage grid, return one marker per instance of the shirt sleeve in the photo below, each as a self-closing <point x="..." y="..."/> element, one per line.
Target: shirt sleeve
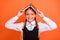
<point x="10" y="24"/>
<point x="49" y="25"/>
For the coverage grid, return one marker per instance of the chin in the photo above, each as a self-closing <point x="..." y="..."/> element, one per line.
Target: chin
<point x="30" y="20"/>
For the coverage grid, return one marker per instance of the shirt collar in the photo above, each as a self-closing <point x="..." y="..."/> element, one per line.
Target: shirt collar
<point x="33" y="23"/>
<point x="30" y="26"/>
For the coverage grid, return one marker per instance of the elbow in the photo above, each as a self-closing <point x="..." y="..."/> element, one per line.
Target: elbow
<point x="54" y="26"/>
<point x="6" y="25"/>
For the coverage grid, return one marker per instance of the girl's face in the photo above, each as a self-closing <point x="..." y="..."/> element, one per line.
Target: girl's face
<point x="30" y="15"/>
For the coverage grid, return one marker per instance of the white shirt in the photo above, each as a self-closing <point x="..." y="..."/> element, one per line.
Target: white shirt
<point x="30" y="26"/>
<point x="49" y="25"/>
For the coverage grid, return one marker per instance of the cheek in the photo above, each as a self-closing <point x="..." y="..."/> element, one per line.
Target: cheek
<point x="33" y="17"/>
<point x="27" y="17"/>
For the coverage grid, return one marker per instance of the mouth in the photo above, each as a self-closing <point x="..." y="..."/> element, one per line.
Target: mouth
<point x="30" y="18"/>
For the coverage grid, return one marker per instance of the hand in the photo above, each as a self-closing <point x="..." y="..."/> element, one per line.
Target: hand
<point x="19" y="13"/>
<point x="40" y="13"/>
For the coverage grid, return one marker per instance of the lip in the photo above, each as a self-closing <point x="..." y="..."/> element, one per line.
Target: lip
<point x="30" y="18"/>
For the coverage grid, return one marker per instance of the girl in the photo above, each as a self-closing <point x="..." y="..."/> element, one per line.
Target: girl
<point x="30" y="30"/>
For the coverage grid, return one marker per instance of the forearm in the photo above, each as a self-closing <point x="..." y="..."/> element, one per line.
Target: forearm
<point x="50" y="23"/>
<point x="12" y="20"/>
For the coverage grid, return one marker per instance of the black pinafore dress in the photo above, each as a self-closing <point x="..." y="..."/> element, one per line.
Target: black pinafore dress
<point x="30" y="35"/>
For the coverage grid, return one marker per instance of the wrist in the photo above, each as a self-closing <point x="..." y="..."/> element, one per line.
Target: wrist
<point x="43" y="16"/>
<point x="18" y="16"/>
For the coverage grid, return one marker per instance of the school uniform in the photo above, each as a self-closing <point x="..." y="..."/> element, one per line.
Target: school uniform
<point x="30" y="30"/>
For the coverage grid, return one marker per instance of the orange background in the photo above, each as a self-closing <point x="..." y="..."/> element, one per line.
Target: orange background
<point x="9" y="8"/>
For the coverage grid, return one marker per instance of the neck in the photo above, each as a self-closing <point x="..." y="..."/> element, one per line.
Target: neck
<point x="30" y="21"/>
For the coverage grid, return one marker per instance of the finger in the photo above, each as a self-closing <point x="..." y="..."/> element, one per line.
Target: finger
<point x="21" y="11"/>
<point x="39" y="11"/>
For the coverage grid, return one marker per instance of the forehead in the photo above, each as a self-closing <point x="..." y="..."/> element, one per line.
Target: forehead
<point x="29" y="11"/>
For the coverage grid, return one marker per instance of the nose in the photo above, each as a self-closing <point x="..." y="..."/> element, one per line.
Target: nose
<point x="30" y="16"/>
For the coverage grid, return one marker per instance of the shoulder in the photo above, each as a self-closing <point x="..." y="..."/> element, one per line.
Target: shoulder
<point x="21" y="25"/>
<point x="40" y="25"/>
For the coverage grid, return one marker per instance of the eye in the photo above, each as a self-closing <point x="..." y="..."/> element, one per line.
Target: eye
<point x="27" y="14"/>
<point x="32" y="14"/>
